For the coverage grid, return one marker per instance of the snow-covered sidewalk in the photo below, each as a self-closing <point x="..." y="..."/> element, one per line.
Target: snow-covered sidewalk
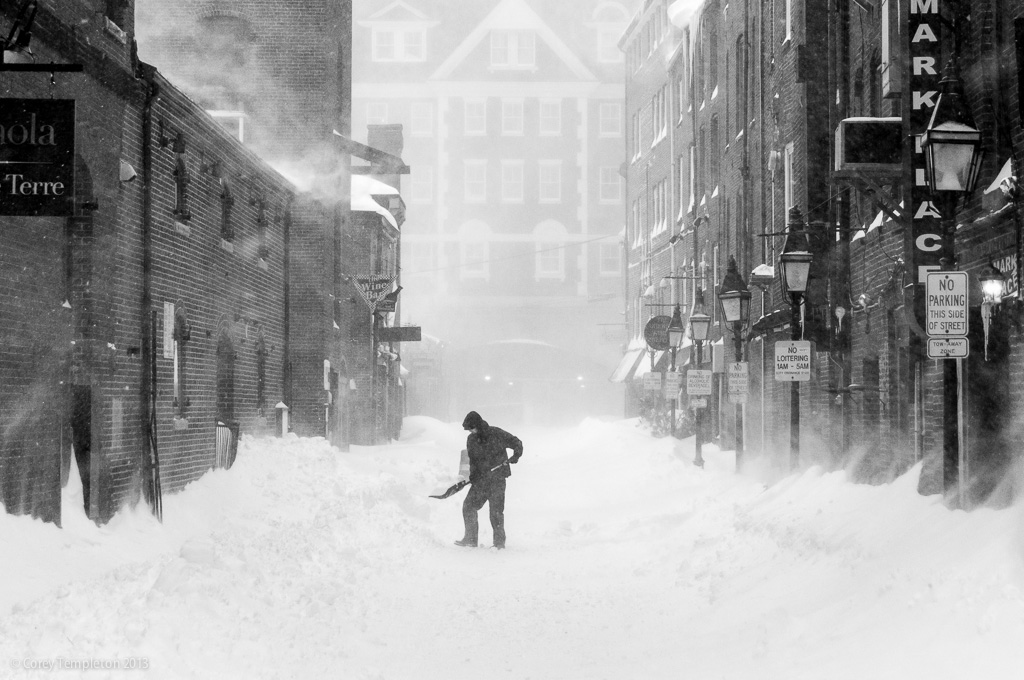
<point x="624" y="561"/>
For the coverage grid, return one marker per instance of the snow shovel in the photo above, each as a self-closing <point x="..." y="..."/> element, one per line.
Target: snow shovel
<point x="458" y="486"/>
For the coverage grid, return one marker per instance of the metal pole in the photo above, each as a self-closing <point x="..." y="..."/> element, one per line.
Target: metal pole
<point x="950" y="386"/>
<point x="672" y="429"/>
<point x="737" y="330"/>
<point x="794" y="396"/>
<point x="698" y="459"/>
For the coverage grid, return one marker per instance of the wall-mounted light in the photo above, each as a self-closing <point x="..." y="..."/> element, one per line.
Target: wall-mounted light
<point x="993" y="284"/>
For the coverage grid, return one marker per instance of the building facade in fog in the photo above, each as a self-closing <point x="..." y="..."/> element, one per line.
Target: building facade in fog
<point x="185" y="292"/>
<point x="512" y="250"/>
<point x="732" y="115"/>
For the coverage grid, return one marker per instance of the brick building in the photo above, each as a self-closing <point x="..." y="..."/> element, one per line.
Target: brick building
<point x="183" y="299"/>
<point x="764" y="89"/>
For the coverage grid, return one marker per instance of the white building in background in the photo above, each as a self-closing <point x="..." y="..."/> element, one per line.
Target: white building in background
<point x="512" y="252"/>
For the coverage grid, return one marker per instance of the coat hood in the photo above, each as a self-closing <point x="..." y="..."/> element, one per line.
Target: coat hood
<point x="474" y="421"/>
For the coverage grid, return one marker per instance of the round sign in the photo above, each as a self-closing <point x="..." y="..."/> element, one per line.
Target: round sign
<point x="656" y="332"/>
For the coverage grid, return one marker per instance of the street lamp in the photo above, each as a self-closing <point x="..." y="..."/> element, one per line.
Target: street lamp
<point x="734" y="297"/>
<point x="795" y="262"/>
<point x="952" y="146"/>
<point x="992" y="284"/>
<point x="676" y="333"/>
<point x="700" y="324"/>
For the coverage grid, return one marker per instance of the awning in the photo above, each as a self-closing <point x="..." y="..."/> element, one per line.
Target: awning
<point x="628" y="364"/>
<point x="1004" y="177"/>
<point x="644" y="366"/>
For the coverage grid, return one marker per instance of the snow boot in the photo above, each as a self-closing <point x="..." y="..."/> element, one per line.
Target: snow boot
<point x="465" y="543"/>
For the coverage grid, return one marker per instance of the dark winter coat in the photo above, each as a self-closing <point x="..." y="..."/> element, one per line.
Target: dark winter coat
<point x="487" y="449"/>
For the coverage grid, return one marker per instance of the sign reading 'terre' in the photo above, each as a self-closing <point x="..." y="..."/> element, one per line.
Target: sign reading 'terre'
<point x="37" y="157"/>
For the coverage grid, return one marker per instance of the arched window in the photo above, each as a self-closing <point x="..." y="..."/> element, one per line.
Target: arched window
<point x="609" y="20"/>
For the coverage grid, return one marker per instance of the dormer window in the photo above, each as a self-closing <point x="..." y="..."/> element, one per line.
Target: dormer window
<point x="396" y="43"/>
<point x="513" y="50"/>
<point x="608" y="21"/>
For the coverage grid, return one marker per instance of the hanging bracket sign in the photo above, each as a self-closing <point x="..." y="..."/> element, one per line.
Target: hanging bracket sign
<point x="373" y="288"/>
<point x="37" y="157"/>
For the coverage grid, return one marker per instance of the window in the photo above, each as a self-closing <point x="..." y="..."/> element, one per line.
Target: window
<point x="637" y="136"/>
<point x="788" y="179"/>
<point x="474" y="245"/>
<point x="659" y="114"/>
<point x="550" y="177"/>
<point x="261" y="375"/>
<point x="513" y="50"/>
<point x="399" y="44"/>
<point x="741" y="84"/>
<point x="712" y="54"/>
<point x="715" y="152"/>
<point x="262" y="250"/>
<point x="550" y="239"/>
<point x="608" y="45"/>
<point x="890" y="70"/>
<point x="659" y="207"/>
<point x="475" y="181"/>
<point x="550" y="116"/>
<point x="422" y="179"/>
<point x="181" y="182"/>
<point x="609" y="259"/>
<point x="376" y="113"/>
<point x="610" y="190"/>
<point x="610" y="120"/>
<point x="422" y="119"/>
<point x="788" y="8"/>
<point x="227" y="204"/>
<point x="475" y="117"/>
<point x="180" y="335"/>
<point x="693" y="179"/>
<point x="511" y="116"/>
<point x="512" y="181"/>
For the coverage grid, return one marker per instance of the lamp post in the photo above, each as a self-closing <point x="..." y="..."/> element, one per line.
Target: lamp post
<point x="700" y="324"/>
<point x="676" y="332"/>
<point x="952" y="146"/>
<point x="795" y="262"/>
<point x="734" y="296"/>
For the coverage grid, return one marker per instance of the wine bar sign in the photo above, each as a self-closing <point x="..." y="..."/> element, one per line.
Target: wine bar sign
<point x="37" y="157"/>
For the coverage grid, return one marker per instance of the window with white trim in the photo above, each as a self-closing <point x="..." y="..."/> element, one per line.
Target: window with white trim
<point x="474" y="249"/>
<point x="422" y="119"/>
<point x="609" y="119"/>
<point x="513" y="50"/>
<point x="609" y="259"/>
<point x="474" y="181"/>
<point x="550" y="239"/>
<point x="512" y="181"/>
<point x="394" y="44"/>
<point x="610" y="189"/>
<point x="549" y="177"/>
<point x="422" y="179"/>
<point x="376" y="113"/>
<point x="475" y="117"/>
<point x="511" y="116"/>
<point x="550" y="117"/>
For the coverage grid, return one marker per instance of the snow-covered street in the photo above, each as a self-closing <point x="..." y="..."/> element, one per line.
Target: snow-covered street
<point x="624" y="561"/>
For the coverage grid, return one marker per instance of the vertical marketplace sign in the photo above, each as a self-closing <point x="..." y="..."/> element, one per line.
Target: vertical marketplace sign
<point x="37" y="157"/>
<point x="930" y="245"/>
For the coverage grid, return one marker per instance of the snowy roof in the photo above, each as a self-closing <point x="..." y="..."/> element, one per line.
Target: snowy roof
<point x="364" y="188"/>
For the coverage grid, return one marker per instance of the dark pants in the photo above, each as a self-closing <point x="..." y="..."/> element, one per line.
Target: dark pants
<point x="493" y="493"/>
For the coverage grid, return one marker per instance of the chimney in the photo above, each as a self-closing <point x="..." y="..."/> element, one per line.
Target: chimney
<point x="386" y="138"/>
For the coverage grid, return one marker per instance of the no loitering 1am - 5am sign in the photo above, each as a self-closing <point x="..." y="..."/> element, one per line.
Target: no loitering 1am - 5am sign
<point x="793" y="360"/>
